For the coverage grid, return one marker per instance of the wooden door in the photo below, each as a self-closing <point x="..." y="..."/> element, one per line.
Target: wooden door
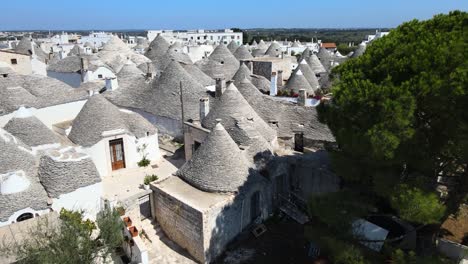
<point x="117" y="154"/>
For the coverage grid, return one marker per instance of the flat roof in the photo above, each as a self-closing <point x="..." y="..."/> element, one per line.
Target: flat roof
<point x="186" y="193"/>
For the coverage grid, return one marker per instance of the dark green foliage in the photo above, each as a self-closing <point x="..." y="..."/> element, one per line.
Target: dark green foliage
<point x="417" y="206"/>
<point x="402" y="107"/>
<point x="344" y="49"/>
<point x="70" y="239"/>
<point x="400" y="257"/>
<point x="343" y="252"/>
<point x="338" y="210"/>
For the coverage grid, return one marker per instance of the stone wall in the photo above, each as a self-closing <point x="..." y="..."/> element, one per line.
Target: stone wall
<point x="181" y="223"/>
<point x="224" y="222"/>
<point x="263" y="68"/>
<point x="192" y="134"/>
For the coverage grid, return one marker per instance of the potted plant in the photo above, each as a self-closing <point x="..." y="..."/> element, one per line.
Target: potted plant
<point x="133" y="231"/>
<point x="144" y="162"/>
<point x="127" y="221"/>
<point x="120" y="210"/>
<point x="148" y="179"/>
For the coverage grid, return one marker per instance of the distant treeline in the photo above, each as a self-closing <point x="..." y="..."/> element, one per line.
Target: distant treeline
<point x="339" y="36"/>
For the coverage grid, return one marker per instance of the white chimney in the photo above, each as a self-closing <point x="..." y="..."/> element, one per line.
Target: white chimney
<point x="112" y="84"/>
<point x="204" y="107"/>
<point x="33" y="52"/>
<point x="273" y="84"/>
<point x="302" y="99"/>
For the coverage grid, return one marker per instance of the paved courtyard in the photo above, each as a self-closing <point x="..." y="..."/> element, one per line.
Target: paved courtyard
<point x="126" y="183"/>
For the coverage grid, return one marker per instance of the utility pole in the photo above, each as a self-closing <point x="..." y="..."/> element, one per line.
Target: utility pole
<point x="182" y="105"/>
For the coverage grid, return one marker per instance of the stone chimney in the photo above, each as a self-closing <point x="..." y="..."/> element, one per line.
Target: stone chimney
<point x="149" y="74"/>
<point x="84" y="69"/>
<point x="302" y="99"/>
<point x="204" y="107"/>
<point x="279" y="79"/>
<point x="273" y="86"/>
<point x="220" y="86"/>
<point x="112" y="84"/>
<point x="84" y="64"/>
<point x="62" y="54"/>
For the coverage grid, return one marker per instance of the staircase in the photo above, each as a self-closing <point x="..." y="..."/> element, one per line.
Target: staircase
<point x="292" y="210"/>
<point x="161" y="249"/>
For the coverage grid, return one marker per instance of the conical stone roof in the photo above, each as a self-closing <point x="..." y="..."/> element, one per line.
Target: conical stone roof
<point x="76" y="50"/>
<point x="218" y="165"/>
<point x="259" y="81"/>
<point x="115" y="44"/>
<point x="297" y="81"/>
<point x="157" y="48"/>
<point x="359" y="51"/>
<point x="258" y="52"/>
<point x="17" y="160"/>
<point x="129" y="70"/>
<point x="99" y="115"/>
<point x="229" y="107"/>
<point x="232" y="46"/>
<point x="165" y="94"/>
<point x="324" y="57"/>
<point x="306" y="54"/>
<point x="242" y="53"/>
<point x="308" y="74"/>
<point x="24" y="47"/>
<point x="96" y="116"/>
<point x="315" y="65"/>
<point x="223" y="56"/>
<point x="262" y="45"/>
<point x="30" y="129"/>
<point x="274" y="50"/>
<point x="175" y="52"/>
<point x="242" y="72"/>
<point x="198" y="75"/>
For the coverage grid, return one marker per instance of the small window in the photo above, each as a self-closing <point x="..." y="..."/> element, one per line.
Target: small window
<point x="14" y="61"/>
<point x="99" y="76"/>
<point x="147" y="134"/>
<point x="24" y="216"/>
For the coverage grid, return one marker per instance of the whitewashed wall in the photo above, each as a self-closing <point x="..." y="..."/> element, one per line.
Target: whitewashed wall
<point x="87" y="199"/>
<point x="38" y="67"/>
<point x="51" y="115"/>
<point x="100" y="152"/>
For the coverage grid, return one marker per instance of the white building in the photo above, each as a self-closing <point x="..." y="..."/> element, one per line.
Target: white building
<point x="114" y="138"/>
<point x="199" y="36"/>
<point x="64" y="177"/>
<point x="97" y="39"/>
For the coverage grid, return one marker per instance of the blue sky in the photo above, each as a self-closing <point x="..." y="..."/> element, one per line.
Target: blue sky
<point x="212" y="14"/>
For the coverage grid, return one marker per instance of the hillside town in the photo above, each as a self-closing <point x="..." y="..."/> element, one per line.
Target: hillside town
<point x="206" y="145"/>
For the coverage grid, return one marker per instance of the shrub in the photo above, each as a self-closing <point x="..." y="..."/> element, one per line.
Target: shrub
<point x="150" y="178"/>
<point x="144" y="162"/>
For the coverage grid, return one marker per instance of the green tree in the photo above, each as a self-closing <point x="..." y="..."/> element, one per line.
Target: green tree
<point x="402" y="106"/>
<point x="344" y="49"/>
<point x="417" y="206"/>
<point x="70" y="239"/>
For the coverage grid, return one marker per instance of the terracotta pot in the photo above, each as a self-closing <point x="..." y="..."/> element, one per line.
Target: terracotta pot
<point x="133" y="230"/>
<point x="128" y="221"/>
